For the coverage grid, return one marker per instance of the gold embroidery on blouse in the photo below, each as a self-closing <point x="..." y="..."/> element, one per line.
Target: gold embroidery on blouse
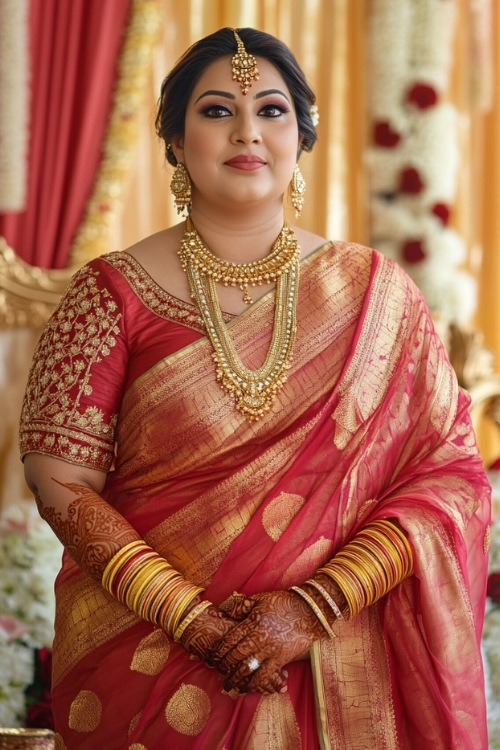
<point x="151" y="654"/>
<point x="81" y="333"/>
<point x="153" y="296"/>
<point x="85" y="712"/>
<point x="188" y="710"/>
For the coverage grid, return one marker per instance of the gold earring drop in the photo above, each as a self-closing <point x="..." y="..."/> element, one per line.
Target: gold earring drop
<point x="180" y="186"/>
<point x="297" y="190"/>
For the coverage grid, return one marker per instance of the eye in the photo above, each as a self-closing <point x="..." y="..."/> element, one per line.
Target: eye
<point x="273" y="110"/>
<point x="216" y="110"/>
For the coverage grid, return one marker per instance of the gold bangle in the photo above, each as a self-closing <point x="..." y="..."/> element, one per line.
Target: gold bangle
<point x="326" y="596"/>
<point x="349" y="586"/>
<point x="374" y="562"/>
<point x="192" y="615"/>
<point x="148" y="585"/>
<point x="319" y="614"/>
<point x="117" y="561"/>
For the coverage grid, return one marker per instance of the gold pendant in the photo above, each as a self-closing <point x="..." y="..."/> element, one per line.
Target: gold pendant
<point x="247" y="299"/>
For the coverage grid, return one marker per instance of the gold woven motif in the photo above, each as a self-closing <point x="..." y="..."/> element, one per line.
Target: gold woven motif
<point x="85" y="712"/>
<point x="151" y="654"/>
<point x="188" y="710"/>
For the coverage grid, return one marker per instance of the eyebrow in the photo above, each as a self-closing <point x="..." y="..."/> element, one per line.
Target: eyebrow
<point x="228" y="95"/>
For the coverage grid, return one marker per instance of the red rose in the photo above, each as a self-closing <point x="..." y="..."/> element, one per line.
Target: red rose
<point x="39" y="715"/>
<point x="413" y="251"/>
<point x="442" y="211"/>
<point x="493" y="589"/>
<point x="410" y="181"/>
<point x="422" y="95"/>
<point x="384" y="135"/>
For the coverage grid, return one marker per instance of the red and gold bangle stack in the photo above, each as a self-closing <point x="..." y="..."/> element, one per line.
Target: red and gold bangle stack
<point x="373" y="563"/>
<point x="148" y="585"/>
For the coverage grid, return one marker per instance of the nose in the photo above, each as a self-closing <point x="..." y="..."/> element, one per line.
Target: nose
<point x="246" y="129"/>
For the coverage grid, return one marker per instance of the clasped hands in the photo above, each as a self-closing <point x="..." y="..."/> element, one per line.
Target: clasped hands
<point x="252" y="640"/>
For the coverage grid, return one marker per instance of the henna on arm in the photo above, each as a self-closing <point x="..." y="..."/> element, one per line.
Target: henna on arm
<point x="92" y="531"/>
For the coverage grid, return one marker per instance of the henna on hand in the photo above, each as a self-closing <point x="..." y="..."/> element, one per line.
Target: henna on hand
<point x="279" y="629"/>
<point x="205" y="632"/>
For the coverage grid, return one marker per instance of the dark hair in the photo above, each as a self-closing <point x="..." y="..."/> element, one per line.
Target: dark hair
<point x="180" y="82"/>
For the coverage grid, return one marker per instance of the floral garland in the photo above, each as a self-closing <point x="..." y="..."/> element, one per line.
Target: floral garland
<point x="30" y="556"/>
<point x="413" y="157"/>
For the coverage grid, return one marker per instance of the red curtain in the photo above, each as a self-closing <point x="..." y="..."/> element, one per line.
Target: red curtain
<point x="74" y="50"/>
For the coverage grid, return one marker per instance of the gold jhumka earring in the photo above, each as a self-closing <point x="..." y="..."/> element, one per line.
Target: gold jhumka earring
<point x="180" y="186"/>
<point x="297" y="190"/>
<point x="243" y="66"/>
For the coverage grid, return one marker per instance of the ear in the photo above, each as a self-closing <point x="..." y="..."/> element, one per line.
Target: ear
<point x="178" y="147"/>
<point x="299" y="146"/>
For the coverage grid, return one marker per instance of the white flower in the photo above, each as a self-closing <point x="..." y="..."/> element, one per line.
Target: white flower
<point x="30" y="557"/>
<point x="410" y="45"/>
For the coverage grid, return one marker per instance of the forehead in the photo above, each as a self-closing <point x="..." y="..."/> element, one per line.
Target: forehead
<point x="218" y="77"/>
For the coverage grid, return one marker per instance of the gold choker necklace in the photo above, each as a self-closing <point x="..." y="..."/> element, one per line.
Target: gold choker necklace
<point x="283" y="253"/>
<point x="253" y="390"/>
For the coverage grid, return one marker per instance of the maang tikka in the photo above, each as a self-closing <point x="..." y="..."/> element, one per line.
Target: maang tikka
<point x="243" y="66"/>
<point x="180" y="186"/>
<point x="297" y="190"/>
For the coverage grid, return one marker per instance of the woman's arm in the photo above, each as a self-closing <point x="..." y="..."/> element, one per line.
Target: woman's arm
<point x="67" y="496"/>
<point x="93" y="533"/>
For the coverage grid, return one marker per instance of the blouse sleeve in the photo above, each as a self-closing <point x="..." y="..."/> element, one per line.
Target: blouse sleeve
<point x="77" y="376"/>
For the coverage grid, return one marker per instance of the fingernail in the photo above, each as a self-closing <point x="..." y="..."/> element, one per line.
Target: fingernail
<point x="284" y="689"/>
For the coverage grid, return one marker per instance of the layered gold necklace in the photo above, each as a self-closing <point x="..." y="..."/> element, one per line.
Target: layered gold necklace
<point x="253" y="390"/>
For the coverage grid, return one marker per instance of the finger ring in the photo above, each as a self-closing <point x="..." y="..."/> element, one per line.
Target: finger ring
<point x="253" y="664"/>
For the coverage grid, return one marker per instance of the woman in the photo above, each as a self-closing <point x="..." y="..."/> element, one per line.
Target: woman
<point x="253" y="447"/>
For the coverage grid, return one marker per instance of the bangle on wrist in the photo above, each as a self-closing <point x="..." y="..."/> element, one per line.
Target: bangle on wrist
<point x="317" y="611"/>
<point x="374" y="562"/>
<point x="149" y="586"/>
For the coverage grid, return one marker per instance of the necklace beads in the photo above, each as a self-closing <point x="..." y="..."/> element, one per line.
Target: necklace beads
<point x="253" y="390"/>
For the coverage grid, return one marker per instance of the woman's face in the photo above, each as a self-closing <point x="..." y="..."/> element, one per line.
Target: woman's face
<point x="239" y="150"/>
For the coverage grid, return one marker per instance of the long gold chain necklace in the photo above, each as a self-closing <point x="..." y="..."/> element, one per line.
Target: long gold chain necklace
<point x="253" y="390"/>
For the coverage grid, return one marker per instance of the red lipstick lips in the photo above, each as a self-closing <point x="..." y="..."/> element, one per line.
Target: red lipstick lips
<point x="245" y="162"/>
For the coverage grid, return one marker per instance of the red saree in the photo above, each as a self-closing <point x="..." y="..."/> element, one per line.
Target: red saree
<point x="370" y="424"/>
